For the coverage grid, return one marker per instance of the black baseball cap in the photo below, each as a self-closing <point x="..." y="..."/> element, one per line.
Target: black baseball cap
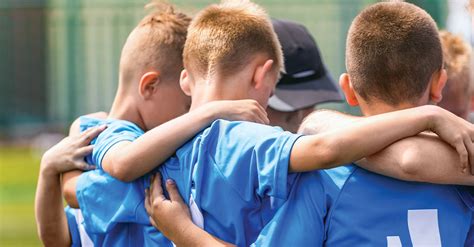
<point x="306" y="81"/>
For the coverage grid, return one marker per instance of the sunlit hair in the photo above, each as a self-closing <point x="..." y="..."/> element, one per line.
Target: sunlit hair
<point x="224" y="37"/>
<point x="393" y="49"/>
<point x="457" y="61"/>
<point x="156" y="43"/>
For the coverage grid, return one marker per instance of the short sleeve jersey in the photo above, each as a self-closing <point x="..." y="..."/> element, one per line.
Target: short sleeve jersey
<point x="374" y="210"/>
<point x="229" y="172"/>
<point x="110" y="207"/>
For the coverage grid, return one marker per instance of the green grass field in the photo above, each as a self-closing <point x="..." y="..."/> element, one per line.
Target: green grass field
<point x="18" y="176"/>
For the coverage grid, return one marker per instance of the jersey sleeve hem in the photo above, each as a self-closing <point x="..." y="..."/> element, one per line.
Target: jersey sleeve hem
<point x="283" y="178"/>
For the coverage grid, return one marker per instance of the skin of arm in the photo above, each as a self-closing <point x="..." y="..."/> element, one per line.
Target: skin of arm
<point x="67" y="155"/>
<point x="171" y="216"/>
<point x="369" y="135"/>
<point x="128" y="161"/>
<point x="421" y="158"/>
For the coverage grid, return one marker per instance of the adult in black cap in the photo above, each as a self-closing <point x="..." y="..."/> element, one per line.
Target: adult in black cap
<point x="306" y="81"/>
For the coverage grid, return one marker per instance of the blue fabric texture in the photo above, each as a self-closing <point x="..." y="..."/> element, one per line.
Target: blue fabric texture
<point x="300" y="221"/>
<point x="361" y="208"/>
<point x="370" y="208"/>
<point x="73" y="227"/>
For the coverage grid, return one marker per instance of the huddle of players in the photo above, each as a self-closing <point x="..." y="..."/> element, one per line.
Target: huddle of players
<point x="248" y="183"/>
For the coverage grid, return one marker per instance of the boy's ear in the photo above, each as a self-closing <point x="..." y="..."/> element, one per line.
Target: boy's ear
<point x="185" y="82"/>
<point x="149" y="84"/>
<point x="261" y="72"/>
<point x="437" y="85"/>
<point x="346" y="86"/>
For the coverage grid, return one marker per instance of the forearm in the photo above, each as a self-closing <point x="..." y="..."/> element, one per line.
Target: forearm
<point x="51" y="220"/>
<point x="139" y="157"/>
<point x="67" y="155"/>
<point x="423" y="158"/>
<point x="362" y="138"/>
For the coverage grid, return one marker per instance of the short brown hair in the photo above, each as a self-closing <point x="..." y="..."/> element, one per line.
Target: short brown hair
<point x="393" y="49"/>
<point x="156" y="43"/>
<point x="224" y="37"/>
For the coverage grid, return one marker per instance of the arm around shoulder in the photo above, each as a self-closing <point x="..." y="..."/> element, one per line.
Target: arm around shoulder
<point x="369" y="135"/>
<point x="128" y="161"/>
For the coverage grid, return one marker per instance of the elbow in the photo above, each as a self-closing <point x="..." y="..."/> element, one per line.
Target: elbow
<point x="119" y="171"/>
<point x="121" y="175"/>
<point x="308" y="126"/>
<point x="69" y="194"/>
<point x="49" y="240"/>
<point x="410" y="163"/>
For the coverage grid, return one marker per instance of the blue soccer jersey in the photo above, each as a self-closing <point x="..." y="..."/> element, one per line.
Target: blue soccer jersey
<point x="300" y="221"/>
<point x="233" y="175"/>
<point x="375" y="210"/>
<point x="367" y="209"/>
<point x="79" y="236"/>
<point x="467" y="195"/>
<point x="113" y="210"/>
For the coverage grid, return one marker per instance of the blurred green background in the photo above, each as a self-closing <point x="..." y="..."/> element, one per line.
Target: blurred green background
<point x="59" y="59"/>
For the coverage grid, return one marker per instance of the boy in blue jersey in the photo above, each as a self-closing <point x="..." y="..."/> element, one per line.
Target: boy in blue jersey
<point x="233" y="173"/>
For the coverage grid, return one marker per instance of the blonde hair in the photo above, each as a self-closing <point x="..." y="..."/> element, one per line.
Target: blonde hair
<point x="156" y="43"/>
<point x="457" y="61"/>
<point x="225" y="37"/>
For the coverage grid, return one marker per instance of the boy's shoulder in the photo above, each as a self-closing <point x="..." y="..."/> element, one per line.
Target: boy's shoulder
<point x="113" y="125"/>
<point x="225" y="128"/>
<point x="231" y="134"/>
<point x="338" y="176"/>
<point x="116" y="131"/>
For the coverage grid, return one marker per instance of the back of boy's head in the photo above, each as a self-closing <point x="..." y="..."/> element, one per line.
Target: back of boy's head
<point x="224" y="37"/>
<point x="156" y="44"/>
<point x="393" y="50"/>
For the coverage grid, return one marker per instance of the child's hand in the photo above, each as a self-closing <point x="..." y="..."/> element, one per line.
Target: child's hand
<point x="458" y="133"/>
<point x="238" y="110"/>
<point x="171" y="216"/>
<point x="69" y="153"/>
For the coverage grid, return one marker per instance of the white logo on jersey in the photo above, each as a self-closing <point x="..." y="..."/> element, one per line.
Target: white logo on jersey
<point x="423" y="227"/>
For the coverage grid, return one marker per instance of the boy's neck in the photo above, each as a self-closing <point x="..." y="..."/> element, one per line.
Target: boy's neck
<point x="378" y="107"/>
<point x="217" y="89"/>
<point x="124" y="107"/>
